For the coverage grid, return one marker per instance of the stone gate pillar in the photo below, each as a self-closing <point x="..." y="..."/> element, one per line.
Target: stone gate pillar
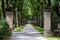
<point x="9" y="18"/>
<point x="47" y="22"/>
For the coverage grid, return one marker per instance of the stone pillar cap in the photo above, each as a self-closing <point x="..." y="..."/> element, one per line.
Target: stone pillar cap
<point x="47" y="9"/>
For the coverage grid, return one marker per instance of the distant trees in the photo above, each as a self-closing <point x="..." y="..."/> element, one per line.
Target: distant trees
<point x="38" y="9"/>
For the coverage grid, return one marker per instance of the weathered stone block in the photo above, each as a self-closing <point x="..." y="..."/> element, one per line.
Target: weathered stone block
<point x="47" y="22"/>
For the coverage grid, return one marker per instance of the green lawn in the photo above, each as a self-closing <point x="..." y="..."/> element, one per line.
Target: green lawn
<point x="19" y="28"/>
<point x="53" y="38"/>
<point x="41" y="30"/>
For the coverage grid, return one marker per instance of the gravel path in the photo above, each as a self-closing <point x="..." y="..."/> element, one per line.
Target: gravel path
<point x="28" y="33"/>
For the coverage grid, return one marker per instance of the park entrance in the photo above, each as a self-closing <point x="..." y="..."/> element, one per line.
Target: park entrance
<point x="39" y="16"/>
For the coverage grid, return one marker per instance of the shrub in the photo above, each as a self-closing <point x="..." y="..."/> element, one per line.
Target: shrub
<point x="4" y="29"/>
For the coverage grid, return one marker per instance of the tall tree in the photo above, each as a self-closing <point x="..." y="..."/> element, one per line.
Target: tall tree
<point x="36" y="6"/>
<point x="49" y="2"/>
<point x="55" y="12"/>
<point x="3" y="9"/>
<point x="19" y="9"/>
<point x="14" y="13"/>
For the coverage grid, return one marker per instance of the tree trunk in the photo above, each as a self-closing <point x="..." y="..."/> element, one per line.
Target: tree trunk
<point x="14" y="17"/>
<point x="7" y="3"/>
<point x="38" y="14"/>
<point x="3" y="10"/>
<point x="49" y="2"/>
<point x="18" y="19"/>
<point x="21" y="17"/>
<point x="0" y="15"/>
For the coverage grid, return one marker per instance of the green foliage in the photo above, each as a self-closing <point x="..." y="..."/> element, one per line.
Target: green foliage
<point x="28" y="10"/>
<point x="54" y="2"/>
<point x="4" y="28"/>
<point x="54" y="14"/>
<point x="14" y="4"/>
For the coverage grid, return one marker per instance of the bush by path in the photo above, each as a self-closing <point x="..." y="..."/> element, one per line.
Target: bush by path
<point x="4" y="29"/>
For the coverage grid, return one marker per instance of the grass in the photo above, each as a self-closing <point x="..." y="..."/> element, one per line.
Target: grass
<point x="19" y="28"/>
<point x="41" y="30"/>
<point x="53" y="38"/>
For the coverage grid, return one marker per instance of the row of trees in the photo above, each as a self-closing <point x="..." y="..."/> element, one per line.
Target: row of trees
<point x="29" y="10"/>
